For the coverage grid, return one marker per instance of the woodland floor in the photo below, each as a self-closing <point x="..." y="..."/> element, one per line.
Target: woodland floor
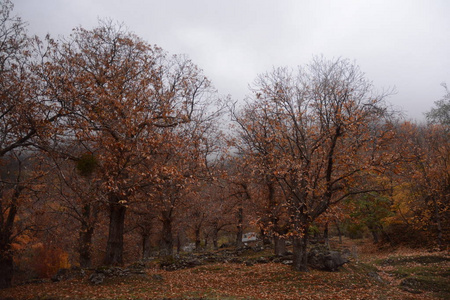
<point x="372" y="274"/>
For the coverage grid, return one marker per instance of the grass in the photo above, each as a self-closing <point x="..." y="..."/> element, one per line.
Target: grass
<point x="420" y="273"/>
<point x="402" y="275"/>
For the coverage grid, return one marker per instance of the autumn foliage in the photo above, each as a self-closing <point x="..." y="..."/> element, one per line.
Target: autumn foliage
<point x="112" y="150"/>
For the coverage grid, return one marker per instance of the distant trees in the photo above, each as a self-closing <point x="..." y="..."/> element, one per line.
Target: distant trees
<point x="441" y="113"/>
<point x="421" y="191"/>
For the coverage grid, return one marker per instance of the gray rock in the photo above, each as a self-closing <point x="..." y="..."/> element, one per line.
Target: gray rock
<point x="157" y="277"/>
<point x="322" y="259"/>
<point x="375" y="276"/>
<point x="249" y="264"/>
<point x="62" y="274"/>
<point x="97" y="278"/>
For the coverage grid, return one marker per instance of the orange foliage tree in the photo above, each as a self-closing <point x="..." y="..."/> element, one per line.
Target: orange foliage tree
<point x="421" y="193"/>
<point x="123" y="96"/>
<point x="25" y="122"/>
<point x="324" y="131"/>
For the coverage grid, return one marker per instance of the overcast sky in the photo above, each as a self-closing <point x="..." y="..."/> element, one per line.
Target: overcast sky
<point x="397" y="43"/>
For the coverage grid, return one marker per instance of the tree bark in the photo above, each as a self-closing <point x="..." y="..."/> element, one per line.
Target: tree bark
<point x="206" y="242"/>
<point x="300" y="260"/>
<point x="114" y="247"/>
<point x="215" y="235"/>
<point x="146" y="247"/>
<point x="6" y="230"/>
<point x="178" y="243"/>
<point x="166" y="242"/>
<point x="265" y="238"/>
<point x="374" y="231"/>
<point x="85" y="238"/>
<point x="339" y="231"/>
<point x="437" y="219"/>
<point x="86" y="234"/>
<point x="6" y="268"/>
<point x="198" y="242"/>
<point x="279" y="245"/>
<point x="326" y="237"/>
<point x="240" y="230"/>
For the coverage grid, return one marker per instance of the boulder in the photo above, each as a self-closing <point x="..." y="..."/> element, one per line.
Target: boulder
<point x="65" y="274"/>
<point x="97" y="278"/>
<point x="62" y="274"/>
<point x="157" y="277"/>
<point x="323" y="259"/>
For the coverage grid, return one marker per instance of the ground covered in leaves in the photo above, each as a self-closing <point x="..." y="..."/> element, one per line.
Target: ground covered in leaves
<point x="389" y="274"/>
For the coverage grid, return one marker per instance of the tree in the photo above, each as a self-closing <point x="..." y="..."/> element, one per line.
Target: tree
<point x="74" y="192"/>
<point x="25" y="120"/>
<point x="371" y="210"/>
<point x="122" y="94"/>
<point x="441" y="113"/>
<point x="327" y="129"/>
<point x="422" y="191"/>
<point x="255" y="143"/>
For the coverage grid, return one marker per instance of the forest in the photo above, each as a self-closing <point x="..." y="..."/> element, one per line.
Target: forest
<point x="114" y="152"/>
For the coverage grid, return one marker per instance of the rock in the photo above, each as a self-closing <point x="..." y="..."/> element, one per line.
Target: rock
<point x="62" y="274"/>
<point x="97" y="278"/>
<point x="235" y="260"/>
<point x="65" y="274"/>
<point x="334" y="260"/>
<point x="157" y="277"/>
<point x="322" y="259"/>
<point x="375" y="276"/>
<point x="138" y="272"/>
<point x="258" y="248"/>
<point x="113" y="271"/>
<point x="262" y="260"/>
<point x="411" y="285"/>
<point x="185" y="262"/>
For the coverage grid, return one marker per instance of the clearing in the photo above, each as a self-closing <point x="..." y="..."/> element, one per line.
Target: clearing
<point x="371" y="274"/>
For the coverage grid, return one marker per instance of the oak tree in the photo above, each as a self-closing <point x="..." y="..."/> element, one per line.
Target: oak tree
<point x="326" y="126"/>
<point x="122" y="94"/>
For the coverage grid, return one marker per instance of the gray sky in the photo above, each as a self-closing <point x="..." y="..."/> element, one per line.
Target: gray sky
<point x="398" y="43"/>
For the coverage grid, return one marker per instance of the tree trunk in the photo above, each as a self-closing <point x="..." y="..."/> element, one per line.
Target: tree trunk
<point x="6" y="230"/>
<point x="437" y="219"/>
<point x="374" y="232"/>
<point x="300" y="261"/>
<point x="198" y="242"/>
<point x="326" y="237"/>
<point x="386" y="235"/>
<point x="6" y="268"/>
<point x="339" y="231"/>
<point x="215" y="235"/>
<point x="166" y="243"/>
<point x="146" y="246"/>
<point x="114" y="247"/>
<point x="280" y="245"/>
<point x="86" y="234"/>
<point x="265" y="238"/>
<point x="240" y="230"/>
<point x="206" y="242"/>
<point x="178" y="243"/>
